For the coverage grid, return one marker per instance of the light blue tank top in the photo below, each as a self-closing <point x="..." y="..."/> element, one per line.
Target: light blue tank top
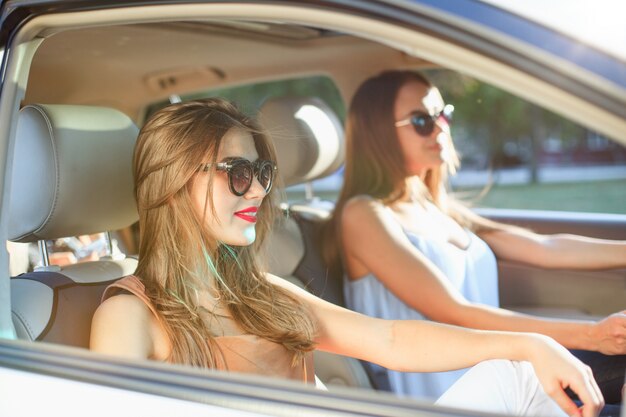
<point x="472" y="271"/>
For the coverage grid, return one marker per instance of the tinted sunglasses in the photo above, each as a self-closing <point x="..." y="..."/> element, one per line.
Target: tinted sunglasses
<point x="424" y="123"/>
<point x="241" y="173"/>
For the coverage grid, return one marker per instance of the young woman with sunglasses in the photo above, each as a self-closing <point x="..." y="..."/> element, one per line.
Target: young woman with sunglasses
<point x="409" y="251"/>
<point x="203" y="179"/>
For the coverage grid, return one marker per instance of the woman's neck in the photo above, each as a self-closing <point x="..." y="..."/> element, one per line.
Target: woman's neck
<point x="414" y="191"/>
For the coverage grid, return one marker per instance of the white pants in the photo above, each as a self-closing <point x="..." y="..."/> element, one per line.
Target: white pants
<point x="503" y="387"/>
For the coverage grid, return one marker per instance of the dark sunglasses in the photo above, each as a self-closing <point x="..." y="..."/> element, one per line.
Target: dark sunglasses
<point x="241" y="173"/>
<point x="424" y="123"/>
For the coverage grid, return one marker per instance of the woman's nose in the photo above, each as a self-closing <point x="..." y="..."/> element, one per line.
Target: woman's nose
<point x="437" y="129"/>
<point x="256" y="190"/>
<point x="441" y="125"/>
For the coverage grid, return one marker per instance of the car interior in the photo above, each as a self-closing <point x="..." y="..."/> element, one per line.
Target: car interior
<point x="87" y="87"/>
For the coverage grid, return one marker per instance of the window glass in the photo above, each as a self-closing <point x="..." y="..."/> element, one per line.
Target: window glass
<point x="25" y="257"/>
<point x="250" y="97"/>
<point x="514" y="154"/>
<point x="517" y="155"/>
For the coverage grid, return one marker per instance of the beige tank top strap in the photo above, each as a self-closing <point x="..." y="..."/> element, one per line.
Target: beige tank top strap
<point x="133" y="285"/>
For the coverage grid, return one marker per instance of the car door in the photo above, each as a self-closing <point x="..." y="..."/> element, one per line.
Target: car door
<point x="562" y="293"/>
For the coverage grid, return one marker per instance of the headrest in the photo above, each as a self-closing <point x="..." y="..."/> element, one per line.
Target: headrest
<point x="71" y="172"/>
<point x="308" y="137"/>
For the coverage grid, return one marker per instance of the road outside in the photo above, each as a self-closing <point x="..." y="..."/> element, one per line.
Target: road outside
<point x="598" y="189"/>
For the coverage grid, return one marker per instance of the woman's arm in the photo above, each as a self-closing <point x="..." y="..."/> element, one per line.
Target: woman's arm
<point x="375" y="240"/>
<point x="423" y="346"/>
<point x="556" y="251"/>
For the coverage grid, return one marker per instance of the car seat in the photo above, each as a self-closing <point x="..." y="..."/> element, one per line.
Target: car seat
<point x="71" y="175"/>
<point x="309" y="142"/>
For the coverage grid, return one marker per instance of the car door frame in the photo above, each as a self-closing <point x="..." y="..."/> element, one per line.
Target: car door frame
<point x="40" y="359"/>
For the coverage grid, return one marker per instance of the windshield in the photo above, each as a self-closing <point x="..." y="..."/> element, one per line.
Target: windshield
<point x="599" y="23"/>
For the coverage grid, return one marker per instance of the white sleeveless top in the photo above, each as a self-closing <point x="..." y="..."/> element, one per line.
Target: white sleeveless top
<point x="473" y="271"/>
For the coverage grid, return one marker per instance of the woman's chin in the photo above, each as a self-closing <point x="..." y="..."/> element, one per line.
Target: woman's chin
<point x="244" y="238"/>
<point x="249" y="235"/>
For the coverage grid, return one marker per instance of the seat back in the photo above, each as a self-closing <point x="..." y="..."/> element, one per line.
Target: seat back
<point x="308" y="137"/>
<point x="71" y="175"/>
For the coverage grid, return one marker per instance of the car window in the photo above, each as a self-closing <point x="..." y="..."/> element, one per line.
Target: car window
<point x="249" y="97"/>
<point x="25" y="257"/>
<point x="518" y="155"/>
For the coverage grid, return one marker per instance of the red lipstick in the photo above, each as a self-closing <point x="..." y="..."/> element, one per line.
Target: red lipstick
<point x="248" y="214"/>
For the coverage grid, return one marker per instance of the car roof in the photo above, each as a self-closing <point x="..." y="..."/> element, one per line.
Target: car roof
<point x="599" y="24"/>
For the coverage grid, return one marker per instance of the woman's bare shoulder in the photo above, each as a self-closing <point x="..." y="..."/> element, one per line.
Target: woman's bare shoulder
<point x="365" y="218"/>
<point x="363" y="205"/>
<point x="122" y="326"/>
<point x="122" y="304"/>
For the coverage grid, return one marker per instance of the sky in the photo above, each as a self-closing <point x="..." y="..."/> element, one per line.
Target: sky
<point x="601" y="23"/>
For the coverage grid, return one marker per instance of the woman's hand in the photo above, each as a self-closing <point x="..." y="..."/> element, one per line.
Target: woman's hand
<point x="609" y="335"/>
<point x="557" y="369"/>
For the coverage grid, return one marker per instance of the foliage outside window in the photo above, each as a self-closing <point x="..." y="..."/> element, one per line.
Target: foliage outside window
<point x="514" y="154"/>
<point x="518" y="155"/>
<point x="250" y="97"/>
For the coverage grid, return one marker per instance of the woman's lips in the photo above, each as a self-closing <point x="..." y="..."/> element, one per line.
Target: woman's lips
<point x="248" y="214"/>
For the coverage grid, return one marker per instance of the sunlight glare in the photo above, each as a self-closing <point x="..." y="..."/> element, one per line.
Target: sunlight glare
<point x="599" y="23"/>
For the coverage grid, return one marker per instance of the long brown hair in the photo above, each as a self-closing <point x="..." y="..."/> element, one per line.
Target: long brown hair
<point x="375" y="164"/>
<point x="178" y="255"/>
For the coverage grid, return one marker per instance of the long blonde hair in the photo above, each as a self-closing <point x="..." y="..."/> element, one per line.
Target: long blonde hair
<point x="375" y="164"/>
<point x="178" y="255"/>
